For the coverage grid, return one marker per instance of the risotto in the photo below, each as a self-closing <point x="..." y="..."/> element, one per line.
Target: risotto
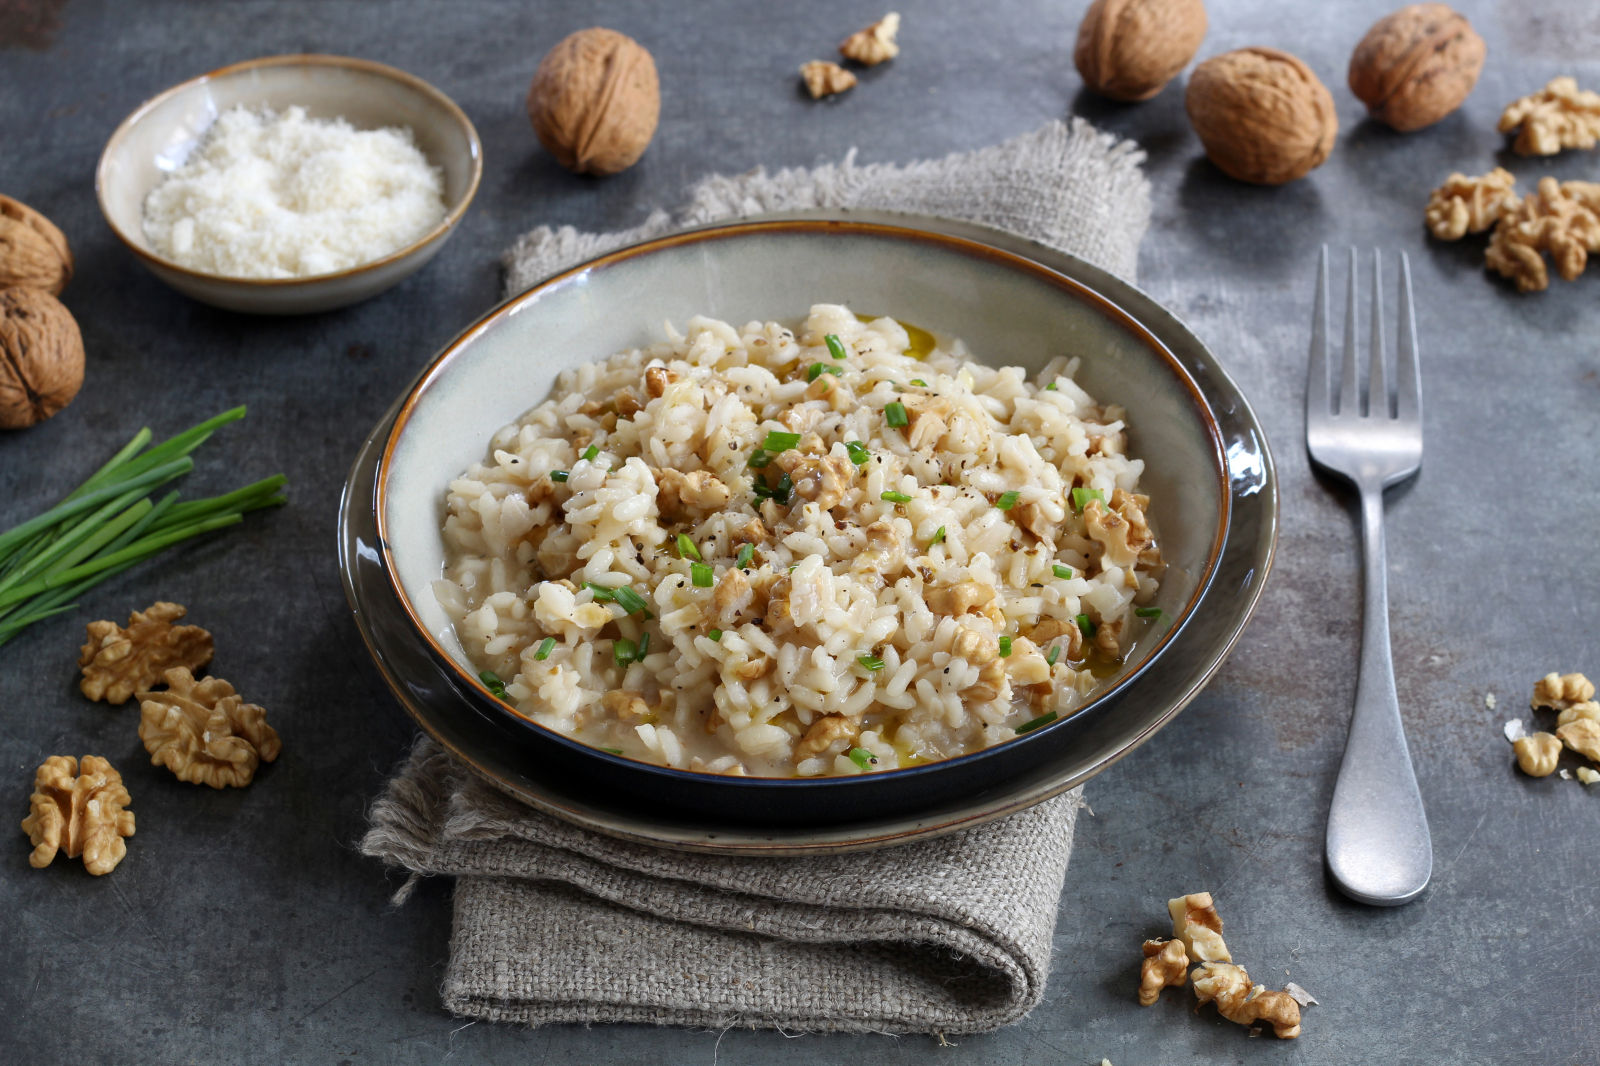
<point x="837" y="550"/>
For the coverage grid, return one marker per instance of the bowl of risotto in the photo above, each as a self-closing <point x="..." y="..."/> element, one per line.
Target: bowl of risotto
<point x="800" y="521"/>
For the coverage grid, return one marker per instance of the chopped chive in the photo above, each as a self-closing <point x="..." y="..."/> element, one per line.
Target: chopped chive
<point x="835" y="346"/>
<point x="1082" y="496"/>
<point x="759" y="460"/>
<point x="558" y="475"/>
<point x="702" y="575"/>
<point x="1050" y="387"/>
<point x="938" y="537"/>
<point x="630" y="600"/>
<point x="591" y="453"/>
<point x="858" y="451"/>
<point x="871" y="662"/>
<point x="492" y="682"/>
<point x="601" y="593"/>
<point x="919" y="381"/>
<point x="1086" y="624"/>
<point x="614" y="751"/>
<point x="624" y="651"/>
<point x="862" y="758"/>
<point x="1063" y="572"/>
<point x="644" y="648"/>
<point x="780" y="442"/>
<point x="1043" y="719"/>
<point x="822" y="368"/>
<point x="1055" y="653"/>
<point x="895" y="497"/>
<point x="715" y="634"/>
<point x="545" y="647"/>
<point x="1005" y="647"/>
<point x="1147" y="612"/>
<point x="1007" y="500"/>
<point x="747" y="555"/>
<point x="687" y="549"/>
<point x="894" y="414"/>
<point x="781" y="493"/>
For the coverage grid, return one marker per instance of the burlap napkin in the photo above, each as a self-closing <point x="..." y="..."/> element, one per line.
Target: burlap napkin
<point x="554" y="923"/>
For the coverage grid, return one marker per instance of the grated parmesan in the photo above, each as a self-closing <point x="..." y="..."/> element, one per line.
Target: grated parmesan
<point x="269" y="195"/>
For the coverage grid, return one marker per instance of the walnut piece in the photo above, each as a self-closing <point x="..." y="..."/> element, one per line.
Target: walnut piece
<point x="824" y="733"/>
<point x="118" y="662"/>
<point x="1240" y="1001"/>
<point x="1262" y="115"/>
<point x="825" y="79"/>
<point x="1561" y="218"/>
<point x="1195" y="922"/>
<point x="1587" y="709"/>
<point x="82" y="813"/>
<point x="1556" y="117"/>
<point x="1582" y="736"/>
<point x="1165" y="965"/>
<point x="33" y="252"/>
<point x="1537" y="753"/>
<point x="1129" y="50"/>
<point x="1588" y="776"/>
<point x="41" y="357"/>
<point x="678" y="494"/>
<point x="204" y="732"/>
<point x="1465" y="205"/>
<point x="595" y="100"/>
<point x="873" y="45"/>
<point x="1557" y="692"/>
<point x="1416" y="66"/>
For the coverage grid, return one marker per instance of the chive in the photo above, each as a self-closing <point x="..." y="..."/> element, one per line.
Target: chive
<point x="894" y="414"/>
<point x="777" y="442"/>
<point x="1082" y="496"/>
<point x="759" y="460"/>
<point x="871" y="662"/>
<point x="558" y="475"/>
<point x="1007" y="500"/>
<point x="895" y="497"/>
<point x="492" y="682"/>
<point x="938" y="537"/>
<point x="630" y="600"/>
<point x="624" y="652"/>
<point x="1043" y="719"/>
<point x="818" y="369"/>
<point x="81" y="532"/>
<point x="591" y="453"/>
<point x="1147" y="612"/>
<point x="702" y="575"/>
<point x="1055" y="653"/>
<point x="248" y="498"/>
<point x="545" y="647"/>
<point x="781" y="493"/>
<point x="614" y="751"/>
<point x="644" y="648"/>
<point x="1005" y="647"/>
<point x="1063" y="572"/>
<point x="919" y="381"/>
<point x="835" y="346"/>
<point x="138" y="550"/>
<point x="129" y="450"/>
<point x="715" y="634"/>
<point x="1086" y="624"/>
<point x="862" y="758"/>
<point x="601" y="593"/>
<point x="1050" y="387"/>
<point x="858" y="451"/>
<point x="687" y="549"/>
<point x="747" y="555"/>
<point x="158" y="475"/>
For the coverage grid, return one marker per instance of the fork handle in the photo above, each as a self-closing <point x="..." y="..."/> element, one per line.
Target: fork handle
<point x="1378" y="846"/>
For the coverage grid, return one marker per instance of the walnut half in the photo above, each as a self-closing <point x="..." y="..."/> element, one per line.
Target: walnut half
<point x="204" y="732"/>
<point x="117" y="661"/>
<point x="82" y="813"/>
<point x="1165" y="964"/>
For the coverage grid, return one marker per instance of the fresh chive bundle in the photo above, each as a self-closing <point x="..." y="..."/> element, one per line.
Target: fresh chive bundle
<point x="109" y="523"/>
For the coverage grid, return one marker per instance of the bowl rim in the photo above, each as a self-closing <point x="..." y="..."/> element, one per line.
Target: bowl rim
<point x="306" y="59"/>
<point x="439" y="364"/>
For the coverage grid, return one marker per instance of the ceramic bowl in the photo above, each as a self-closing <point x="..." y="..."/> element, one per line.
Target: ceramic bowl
<point x="1006" y="306"/>
<point x="160" y="134"/>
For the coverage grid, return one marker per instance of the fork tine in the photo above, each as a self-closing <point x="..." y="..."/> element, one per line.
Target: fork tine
<point x="1317" y="398"/>
<point x="1349" y="382"/>
<point x="1377" y="380"/>
<point x="1408" y="375"/>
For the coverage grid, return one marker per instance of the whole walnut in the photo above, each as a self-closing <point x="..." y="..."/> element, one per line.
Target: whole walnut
<point x="1416" y="66"/>
<point x="1129" y="49"/>
<point x="41" y="357"/>
<point x="1262" y="115"/>
<point x="594" y="101"/>
<point x="33" y="253"/>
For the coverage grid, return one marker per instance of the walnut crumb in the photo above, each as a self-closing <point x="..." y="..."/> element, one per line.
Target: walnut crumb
<point x="204" y="732"/>
<point x="118" y="661"/>
<point x="84" y="813"/>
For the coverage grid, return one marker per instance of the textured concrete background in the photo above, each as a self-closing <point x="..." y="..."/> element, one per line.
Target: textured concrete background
<point x="243" y="927"/>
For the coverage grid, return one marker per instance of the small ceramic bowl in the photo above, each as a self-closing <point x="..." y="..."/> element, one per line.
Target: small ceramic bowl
<point x="159" y="135"/>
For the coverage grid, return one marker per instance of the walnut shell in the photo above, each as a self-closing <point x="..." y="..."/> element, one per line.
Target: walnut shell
<point x="1262" y="115"/>
<point x="41" y="357"/>
<point x="1416" y="66"/>
<point x="594" y="101"/>
<point x="33" y="253"/>
<point x="1129" y="49"/>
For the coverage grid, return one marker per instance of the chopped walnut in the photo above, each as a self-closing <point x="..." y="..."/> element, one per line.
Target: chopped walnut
<point x="1558" y="692"/>
<point x="1587" y="709"/>
<point x="678" y="493"/>
<point x="1582" y="736"/>
<point x="752" y="532"/>
<point x="627" y="706"/>
<point x="1165" y="965"/>
<point x="732" y="595"/>
<point x="752" y="669"/>
<point x="1120" y="543"/>
<point x="1195" y="922"/>
<point x="82" y="813"/>
<point x="1537" y="753"/>
<point x="628" y="403"/>
<point x="1034" y="517"/>
<point x="839" y="397"/>
<point x="990" y="684"/>
<point x="204" y="732"/>
<point x="1465" y="205"/>
<point x="824" y="733"/>
<point x="824" y="478"/>
<point x="1562" y="219"/>
<point x="975" y="646"/>
<point x="1240" y="1001"/>
<point x="958" y="599"/>
<point x="873" y="45"/>
<point x="118" y="662"/>
<point x="825" y="79"/>
<point x="656" y="380"/>
<point x="1049" y="629"/>
<point x="1556" y="117"/>
<point x="1588" y="776"/>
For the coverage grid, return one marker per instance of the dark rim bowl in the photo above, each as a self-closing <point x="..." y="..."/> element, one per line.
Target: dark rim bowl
<point x="420" y="451"/>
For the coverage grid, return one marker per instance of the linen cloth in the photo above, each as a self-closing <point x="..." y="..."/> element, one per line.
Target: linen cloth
<point x="555" y="923"/>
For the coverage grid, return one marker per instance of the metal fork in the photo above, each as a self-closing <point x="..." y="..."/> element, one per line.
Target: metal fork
<point x="1378" y="846"/>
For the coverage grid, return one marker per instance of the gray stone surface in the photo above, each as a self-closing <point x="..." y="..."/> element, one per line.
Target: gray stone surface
<point x="243" y="927"/>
